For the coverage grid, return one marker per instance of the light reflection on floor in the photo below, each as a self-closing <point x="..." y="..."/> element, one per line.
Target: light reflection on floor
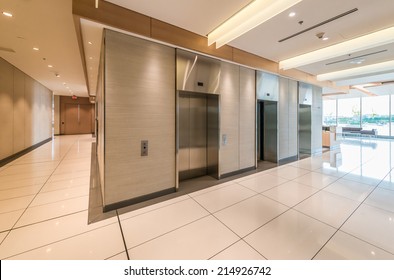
<point x="338" y="205"/>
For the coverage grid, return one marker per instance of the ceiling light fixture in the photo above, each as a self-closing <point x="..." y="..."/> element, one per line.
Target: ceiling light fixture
<point x="292" y="14"/>
<point x="90" y="43"/>
<point x="256" y="13"/>
<point x="7" y="14"/>
<point x="379" y="38"/>
<point x="362" y="89"/>
<point x="36" y="49"/>
<point x="57" y="75"/>
<point x="358" y="71"/>
<point x="50" y="66"/>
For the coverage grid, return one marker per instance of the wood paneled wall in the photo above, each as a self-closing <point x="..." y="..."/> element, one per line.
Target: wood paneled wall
<point x="25" y="111"/>
<point x="119" y="17"/>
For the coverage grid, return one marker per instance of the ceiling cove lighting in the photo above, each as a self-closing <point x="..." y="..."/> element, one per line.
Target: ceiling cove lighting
<point x="383" y="37"/>
<point x="358" y="71"/>
<point x="256" y="13"/>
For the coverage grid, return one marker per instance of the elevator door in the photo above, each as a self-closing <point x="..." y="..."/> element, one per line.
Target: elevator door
<point x="192" y="135"/>
<point x="267" y="131"/>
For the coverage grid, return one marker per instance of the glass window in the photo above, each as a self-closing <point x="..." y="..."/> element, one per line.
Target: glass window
<point x="376" y="115"/>
<point x="329" y="112"/>
<point x="349" y="112"/>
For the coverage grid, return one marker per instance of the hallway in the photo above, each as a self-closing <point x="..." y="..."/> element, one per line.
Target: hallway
<point x="323" y="207"/>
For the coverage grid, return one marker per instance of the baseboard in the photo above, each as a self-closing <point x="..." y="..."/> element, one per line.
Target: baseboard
<point x="23" y="152"/>
<point x="287" y="160"/>
<point x="237" y="172"/>
<point x="136" y="200"/>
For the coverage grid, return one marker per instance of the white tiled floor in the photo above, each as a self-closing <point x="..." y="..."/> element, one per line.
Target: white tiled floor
<point x="321" y="207"/>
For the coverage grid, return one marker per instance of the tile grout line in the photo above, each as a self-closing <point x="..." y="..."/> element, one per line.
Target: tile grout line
<point x="24" y="211"/>
<point x="123" y="238"/>
<point x="351" y="214"/>
<point x="60" y="240"/>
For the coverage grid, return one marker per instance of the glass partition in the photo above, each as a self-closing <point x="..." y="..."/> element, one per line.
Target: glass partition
<point x="349" y="112"/>
<point x="376" y="114"/>
<point x="329" y="112"/>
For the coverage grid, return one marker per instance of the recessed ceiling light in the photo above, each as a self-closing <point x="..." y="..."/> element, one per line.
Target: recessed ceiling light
<point x="7" y="14"/>
<point x="90" y="43"/>
<point x="90" y="57"/>
<point x="36" y="49"/>
<point x="57" y="75"/>
<point x="325" y="38"/>
<point x="253" y="15"/>
<point x="50" y="66"/>
<point x="292" y="14"/>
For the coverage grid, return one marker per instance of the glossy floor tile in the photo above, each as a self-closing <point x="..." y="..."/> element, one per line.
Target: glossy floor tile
<point x="263" y="182"/>
<point x="329" y="208"/>
<point x="336" y="205"/>
<point x="316" y="180"/>
<point x="382" y="198"/>
<point x="372" y="225"/>
<point x="350" y="189"/>
<point x="290" y="193"/>
<point x="289" y="172"/>
<point x="249" y="214"/>
<point x="199" y="240"/>
<point x="149" y="225"/>
<point x="92" y="245"/>
<point x="223" y="197"/>
<point x="292" y="235"/>
<point x="346" y="247"/>
<point x="238" y="251"/>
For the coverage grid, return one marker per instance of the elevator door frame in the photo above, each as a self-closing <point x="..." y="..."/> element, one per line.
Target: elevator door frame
<point x="213" y="143"/>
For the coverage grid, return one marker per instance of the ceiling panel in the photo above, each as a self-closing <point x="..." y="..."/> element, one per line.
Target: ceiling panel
<point x="198" y="16"/>
<point x="48" y="25"/>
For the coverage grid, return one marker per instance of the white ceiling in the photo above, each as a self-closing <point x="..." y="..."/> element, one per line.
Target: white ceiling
<point x="49" y="25"/>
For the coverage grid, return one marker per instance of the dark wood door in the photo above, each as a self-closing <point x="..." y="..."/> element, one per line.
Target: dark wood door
<point x="78" y="119"/>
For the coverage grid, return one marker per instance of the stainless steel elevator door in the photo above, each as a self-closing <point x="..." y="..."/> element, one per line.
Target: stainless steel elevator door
<point x="305" y="129"/>
<point x="192" y="135"/>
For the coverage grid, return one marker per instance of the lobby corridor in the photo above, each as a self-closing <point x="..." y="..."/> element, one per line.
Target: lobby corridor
<point x="338" y="205"/>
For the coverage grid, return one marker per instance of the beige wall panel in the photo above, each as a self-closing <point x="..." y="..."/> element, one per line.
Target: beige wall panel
<point x="283" y="117"/>
<point x="6" y="109"/>
<point x="100" y="123"/>
<point x="139" y="105"/>
<point x="45" y="113"/>
<point x="19" y="111"/>
<point x="29" y="97"/>
<point x="317" y="116"/>
<point x="293" y="118"/>
<point x="23" y="110"/>
<point x="56" y="117"/>
<point x="36" y="117"/>
<point x="229" y="118"/>
<point x="247" y="107"/>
